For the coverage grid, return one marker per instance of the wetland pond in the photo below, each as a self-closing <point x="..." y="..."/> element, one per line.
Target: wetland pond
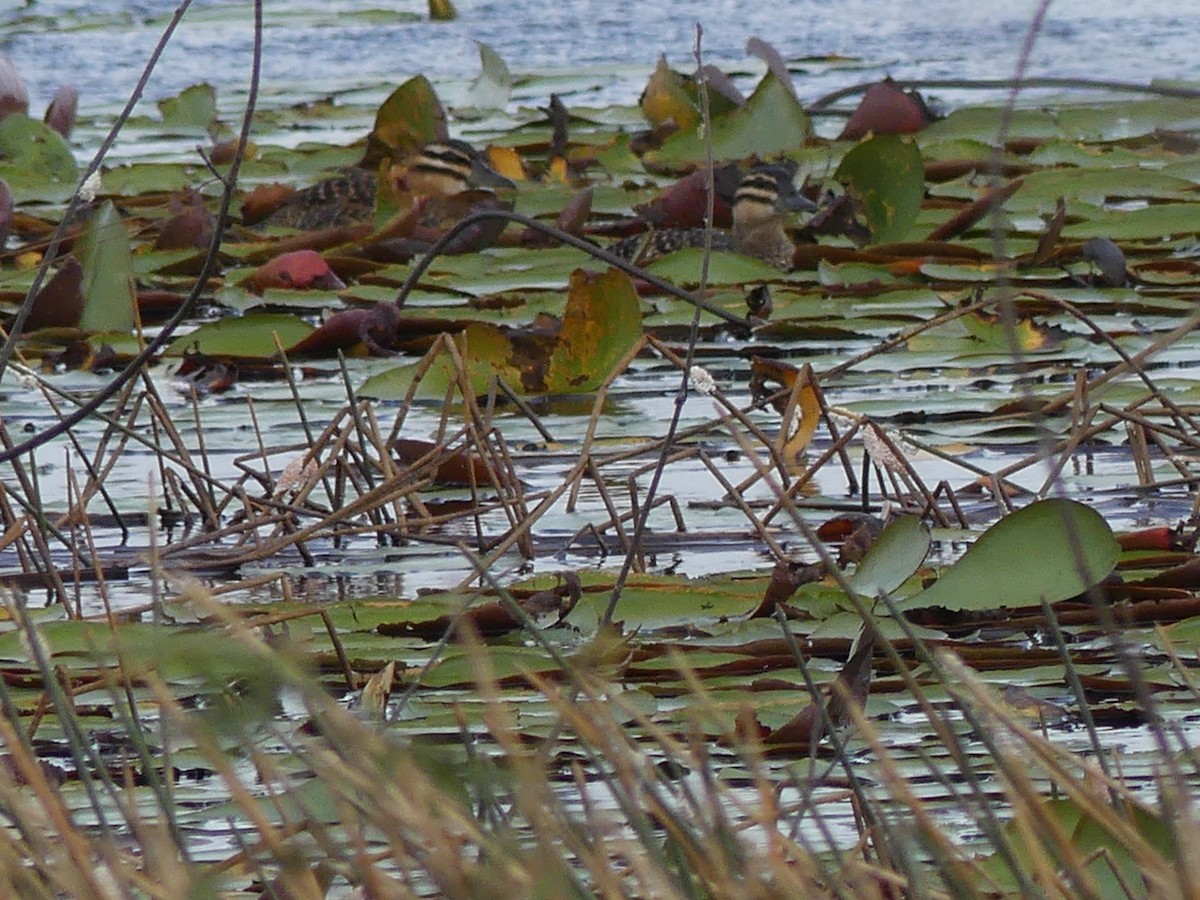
<point x="963" y="363"/>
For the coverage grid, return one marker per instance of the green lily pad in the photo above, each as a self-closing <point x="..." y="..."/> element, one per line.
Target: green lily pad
<point x="251" y="336"/>
<point x="35" y="160"/>
<point x="1052" y="549"/>
<point x="194" y="108"/>
<point x="893" y="558"/>
<point x="104" y="253"/>
<point x="411" y="116"/>
<point x="601" y="322"/>
<point x="885" y="172"/>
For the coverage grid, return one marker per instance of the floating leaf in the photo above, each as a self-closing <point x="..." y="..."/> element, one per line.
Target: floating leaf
<point x="886" y="109"/>
<point x="1102" y="840"/>
<point x="993" y="333"/>
<point x="670" y="98"/>
<point x="59" y="303"/>
<point x="986" y="205"/>
<point x="298" y="270"/>
<point x="411" y="116"/>
<point x="193" y="108"/>
<point x="60" y="114"/>
<point x="893" y="557"/>
<point x="442" y="11"/>
<point x="491" y="89"/>
<point x="34" y="158"/>
<point x="601" y="322"/>
<point x="771" y="122"/>
<point x="886" y="174"/>
<point x="252" y="336"/>
<point x="375" y="329"/>
<point x="14" y="95"/>
<point x="108" y="289"/>
<point x="1051" y="550"/>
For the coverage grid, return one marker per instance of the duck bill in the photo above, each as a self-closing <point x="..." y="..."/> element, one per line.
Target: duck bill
<point x="797" y="202"/>
<point x="484" y="176"/>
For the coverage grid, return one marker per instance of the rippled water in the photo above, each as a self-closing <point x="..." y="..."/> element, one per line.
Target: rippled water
<point x="102" y="45"/>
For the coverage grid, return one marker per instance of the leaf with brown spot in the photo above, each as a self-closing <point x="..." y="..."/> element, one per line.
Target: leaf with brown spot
<point x="602" y="321"/>
<point x="1030" y="334"/>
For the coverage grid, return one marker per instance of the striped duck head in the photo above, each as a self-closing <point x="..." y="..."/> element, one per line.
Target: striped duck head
<point x="767" y="193"/>
<point x="446" y="168"/>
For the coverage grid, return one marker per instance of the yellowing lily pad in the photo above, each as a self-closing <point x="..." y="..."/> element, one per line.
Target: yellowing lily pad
<point x="772" y="122"/>
<point x="601" y="322"/>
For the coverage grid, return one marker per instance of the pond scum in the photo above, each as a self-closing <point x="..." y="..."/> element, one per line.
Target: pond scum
<point x="856" y="722"/>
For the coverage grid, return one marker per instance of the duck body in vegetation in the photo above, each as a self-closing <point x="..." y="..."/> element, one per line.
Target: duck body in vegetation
<point x="438" y="169"/>
<point x="764" y="198"/>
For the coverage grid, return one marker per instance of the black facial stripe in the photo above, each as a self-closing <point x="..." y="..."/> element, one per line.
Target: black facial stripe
<point x="446" y="153"/>
<point x="445" y="170"/>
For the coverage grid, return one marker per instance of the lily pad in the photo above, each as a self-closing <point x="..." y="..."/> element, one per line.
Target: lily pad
<point x="108" y="295"/>
<point x="893" y="558"/>
<point x="771" y="122"/>
<point x="885" y="172"/>
<point x="1051" y="550"/>
<point x="411" y="116"/>
<point x="251" y="336"/>
<point x="35" y="160"/>
<point x="194" y="108"/>
<point x="494" y="84"/>
<point x="601" y="322"/>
